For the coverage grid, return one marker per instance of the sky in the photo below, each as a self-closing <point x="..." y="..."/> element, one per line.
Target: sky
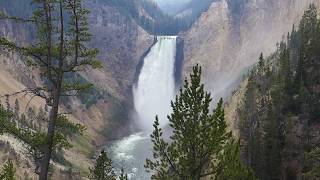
<point x="161" y="2"/>
<point x="171" y="5"/>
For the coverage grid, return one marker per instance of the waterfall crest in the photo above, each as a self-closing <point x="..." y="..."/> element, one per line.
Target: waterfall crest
<point x="156" y="84"/>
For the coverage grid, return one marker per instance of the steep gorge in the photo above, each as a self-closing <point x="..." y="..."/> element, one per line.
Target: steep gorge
<point x="226" y="40"/>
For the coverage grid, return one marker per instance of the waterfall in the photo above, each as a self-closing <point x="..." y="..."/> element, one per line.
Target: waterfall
<point x="156" y="84"/>
<point x="152" y="94"/>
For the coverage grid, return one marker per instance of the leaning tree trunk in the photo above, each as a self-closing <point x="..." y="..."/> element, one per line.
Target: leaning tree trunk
<point x="48" y="148"/>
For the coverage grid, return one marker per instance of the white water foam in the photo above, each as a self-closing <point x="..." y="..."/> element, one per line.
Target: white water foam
<point x="156" y="85"/>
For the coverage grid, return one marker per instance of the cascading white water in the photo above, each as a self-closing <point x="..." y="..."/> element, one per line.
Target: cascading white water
<point x="152" y="95"/>
<point x="156" y="86"/>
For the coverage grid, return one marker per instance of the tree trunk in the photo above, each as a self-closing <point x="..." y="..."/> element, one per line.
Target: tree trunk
<point x="48" y="148"/>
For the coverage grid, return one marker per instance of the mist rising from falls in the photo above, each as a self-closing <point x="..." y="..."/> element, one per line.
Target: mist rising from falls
<point x="156" y="84"/>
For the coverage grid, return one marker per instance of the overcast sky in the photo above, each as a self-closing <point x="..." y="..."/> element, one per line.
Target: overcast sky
<point x="170" y="6"/>
<point x="163" y="2"/>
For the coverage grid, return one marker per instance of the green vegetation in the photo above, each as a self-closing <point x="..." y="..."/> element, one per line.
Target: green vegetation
<point x="200" y="146"/>
<point x="8" y="171"/>
<point x="102" y="169"/>
<point x="28" y="129"/>
<point x="313" y="159"/>
<point x="283" y="94"/>
<point x="87" y="96"/>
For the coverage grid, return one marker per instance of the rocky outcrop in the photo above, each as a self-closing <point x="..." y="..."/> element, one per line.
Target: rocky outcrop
<point x="121" y="43"/>
<point x="228" y="38"/>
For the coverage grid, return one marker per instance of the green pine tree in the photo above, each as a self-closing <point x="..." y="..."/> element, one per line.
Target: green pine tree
<point x="231" y="167"/>
<point x="102" y="169"/>
<point x="200" y="139"/>
<point x="272" y="146"/>
<point x="5" y="117"/>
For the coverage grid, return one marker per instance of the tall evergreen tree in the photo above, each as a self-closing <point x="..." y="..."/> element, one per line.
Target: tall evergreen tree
<point x="102" y="169"/>
<point x="231" y="167"/>
<point x="60" y="48"/>
<point x="272" y="163"/>
<point x="199" y="142"/>
<point x="4" y="119"/>
<point x="307" y="33"/>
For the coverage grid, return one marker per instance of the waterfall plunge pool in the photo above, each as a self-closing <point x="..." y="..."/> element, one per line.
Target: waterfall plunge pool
<point x="130" y="154"/>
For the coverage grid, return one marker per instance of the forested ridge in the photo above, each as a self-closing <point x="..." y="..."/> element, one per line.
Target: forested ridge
<point x="280" y="113"/>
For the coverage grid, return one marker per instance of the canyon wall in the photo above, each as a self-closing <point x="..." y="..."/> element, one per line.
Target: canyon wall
<point x="228" y="38"/>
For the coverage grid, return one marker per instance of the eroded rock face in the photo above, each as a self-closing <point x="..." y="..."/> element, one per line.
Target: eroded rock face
<point x="121" y="43"/>
<point x="228" y="38"/>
